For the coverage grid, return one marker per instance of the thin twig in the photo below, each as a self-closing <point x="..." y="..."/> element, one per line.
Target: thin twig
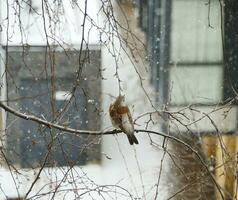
<point x="89" y="132"/>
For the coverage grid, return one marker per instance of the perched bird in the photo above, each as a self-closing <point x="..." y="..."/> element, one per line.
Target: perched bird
<point x="121" y="118"/>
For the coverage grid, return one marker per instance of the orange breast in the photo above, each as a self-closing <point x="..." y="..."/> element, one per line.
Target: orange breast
<point x="118" y="110"/>
<point x="122" y="110"/>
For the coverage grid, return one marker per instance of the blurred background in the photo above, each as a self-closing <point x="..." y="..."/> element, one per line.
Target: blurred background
<point x="65" y="62"/>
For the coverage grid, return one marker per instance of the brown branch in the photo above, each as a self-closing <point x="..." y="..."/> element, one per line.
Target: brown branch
<point x="53" y="125"/>
<point x="89" y="132"/>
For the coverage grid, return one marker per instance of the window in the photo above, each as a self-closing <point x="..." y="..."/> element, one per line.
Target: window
<point x="196" y="54"/>
<point x="41" y="84"/>
<point x="185" y="54"/>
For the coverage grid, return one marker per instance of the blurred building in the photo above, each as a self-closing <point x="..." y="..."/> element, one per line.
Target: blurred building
<point x="192" y="50"/>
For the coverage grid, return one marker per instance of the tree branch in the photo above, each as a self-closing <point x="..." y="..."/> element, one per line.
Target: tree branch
<point x="54" y="125"/>
<point x="89" y="132"/>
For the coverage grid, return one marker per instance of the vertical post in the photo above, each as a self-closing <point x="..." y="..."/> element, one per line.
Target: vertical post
<point x="158" y="43"/>
<point x="149" y="36"/>
<point x="230" y="48"/>
<point x="162" y="55"/>
<point x="164" y="51"/>
<point x="230" y="89"/>
<point x="156" y="46"/>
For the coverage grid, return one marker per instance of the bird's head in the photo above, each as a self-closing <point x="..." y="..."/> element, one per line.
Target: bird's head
<point x="120" y="99"/>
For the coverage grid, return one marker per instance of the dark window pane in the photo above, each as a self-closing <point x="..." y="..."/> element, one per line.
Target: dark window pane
<point x="30" y="91"/>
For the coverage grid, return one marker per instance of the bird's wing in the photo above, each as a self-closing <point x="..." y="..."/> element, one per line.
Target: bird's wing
<point x="125" y="119"/>
<point x="116" y="118"/>
<point x="130" y="117"/>
<point x="127" y="125"/>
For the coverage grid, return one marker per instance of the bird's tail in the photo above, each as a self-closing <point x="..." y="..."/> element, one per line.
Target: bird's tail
<point x="132" y="139"/>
